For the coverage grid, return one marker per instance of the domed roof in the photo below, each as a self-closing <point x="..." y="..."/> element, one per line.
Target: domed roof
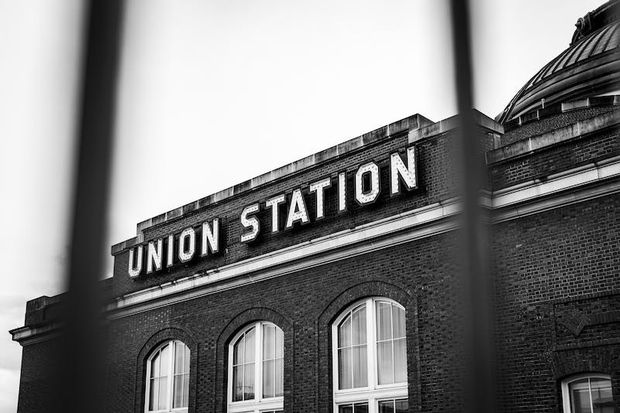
<point x="588" y="67"/>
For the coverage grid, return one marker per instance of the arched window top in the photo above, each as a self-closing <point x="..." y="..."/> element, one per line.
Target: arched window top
<point x="587" y="393"/>
<point x="370" y="357"/>
<point x="167" y="378"/>
<point x="256" y="369"/>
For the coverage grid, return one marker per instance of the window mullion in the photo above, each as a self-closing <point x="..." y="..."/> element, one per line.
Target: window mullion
<point x="258" y="357"/>
<point x="351" y="351"/>
<point x="392" y="331"/>
<point x="171" y="371"/>
<point x="590" y="395"/>
<point x="371" y="344"/>
<point x="242" y="369"/>
<point x="148" y="385"/>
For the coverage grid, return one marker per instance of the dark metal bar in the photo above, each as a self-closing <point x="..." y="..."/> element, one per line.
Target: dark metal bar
<point x="80" y="370"/>
<point x="478" y="384"/>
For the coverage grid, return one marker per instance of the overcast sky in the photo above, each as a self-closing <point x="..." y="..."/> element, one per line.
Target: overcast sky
<point x="214" y="92"/>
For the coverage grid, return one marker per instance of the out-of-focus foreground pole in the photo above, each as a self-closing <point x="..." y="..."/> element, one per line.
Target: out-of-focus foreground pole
<point x="478" y="384"/>
<point x="80" y="370"/>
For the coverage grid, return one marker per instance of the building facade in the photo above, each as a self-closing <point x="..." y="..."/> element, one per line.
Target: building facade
<point x="329" y="284"/>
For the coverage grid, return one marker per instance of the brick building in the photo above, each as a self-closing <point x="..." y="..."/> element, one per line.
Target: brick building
<point x="329" y="284"/>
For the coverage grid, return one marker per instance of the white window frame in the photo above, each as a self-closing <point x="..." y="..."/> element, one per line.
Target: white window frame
<point x="374" y="392"/>
<point x="169" y="400"/>
<point x="566" y="388"/>
<point x="258" y="404"/>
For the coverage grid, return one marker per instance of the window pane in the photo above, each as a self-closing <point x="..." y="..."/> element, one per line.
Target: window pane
<point x="400" y="361"/>
<point x="602" y="400"/>
<point x="163" y="393"/>
<point x="238" y="351"/>
<point x="268" y="378"/>
<point x="345" y="408"/>
<point x="237" y="383"/>
<point x="179" y="354"/>
<point x="155" y="366"/>
<point x="580" y="400"/>
<point x="353" y="408"/>
<point x="386" y="406"/>
<point x="186" y="358"/>
<point x="344" y="333"/>
<point x="384" y="321"/>
<point x="248" y="381"/>
<point x="250" y="346"/>
<point x="185" y="402"/>
<point x="269" y="342"/>
<point x="401" y="406"/>
<point x="398" y="318"/>
<point x="360" y="408"/>
<point x="177" y="399"/>
<point x="384" y="363"/>
<point x="154" y="389"/>
<point x="165" y="361"/>
<point x="279" y="377"/>
<point x="359" y="326"/>
<point x="279" y="343"/>
<point x="360" y="367"/>
<point x="344" y="368"/>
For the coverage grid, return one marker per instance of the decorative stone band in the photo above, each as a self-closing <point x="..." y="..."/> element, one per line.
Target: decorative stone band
<point x="305" y="255"/>
<point x="33" y="335"/>
<point x="558" y="136"/>
<point x="562" y="181"/>
<point x="576" y="185"/>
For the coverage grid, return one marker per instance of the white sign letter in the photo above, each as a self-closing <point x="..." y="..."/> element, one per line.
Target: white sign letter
<point x="187" y="254"/>
<point x="154" y="256"/>
<point x="397" y="167"/>
<point x="273" y="204"/>
<point x="371" y="195"/>
<point x="248" y="222"/>
<point x="319" y="188"/>
<point x="211" y="238"/>
<point x="170" y="254"/>
<point x="134" y="271"/>
<point x="297" y="211"/>
<point x="342" y="192"/>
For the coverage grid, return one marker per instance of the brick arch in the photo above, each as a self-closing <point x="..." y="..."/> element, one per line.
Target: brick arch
<point x="159" y="337"/>
<point x="237" y="323"/>
<point x="348" y="296"/>
<point x="340" y="302"/>
<point x="604" y="361"/>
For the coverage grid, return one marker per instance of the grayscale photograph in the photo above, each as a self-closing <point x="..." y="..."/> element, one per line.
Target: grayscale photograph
<point x="294" y="206"/>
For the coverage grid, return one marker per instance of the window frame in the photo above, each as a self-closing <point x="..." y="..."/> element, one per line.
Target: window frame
<point x="374" y="392"/>
<point x="170" y="395"/>
<point x="566" y="402"/>
<point x="258" y="404"/>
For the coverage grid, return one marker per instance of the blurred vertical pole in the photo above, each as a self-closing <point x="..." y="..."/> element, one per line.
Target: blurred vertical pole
<point x="478" y="384"/>
<point x="81" y="370"/>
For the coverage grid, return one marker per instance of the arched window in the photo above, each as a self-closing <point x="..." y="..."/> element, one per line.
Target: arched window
<point x="167" y="378"/>
<point x="587" y="393"/>
<point x="256" y="370"/>
<point x="370" y="358"/>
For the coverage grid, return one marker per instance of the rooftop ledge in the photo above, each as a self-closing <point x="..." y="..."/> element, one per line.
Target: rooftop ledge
<point x="452" y="123"/>
<point x="538" y="142"/>
<point x="410" y="123"/>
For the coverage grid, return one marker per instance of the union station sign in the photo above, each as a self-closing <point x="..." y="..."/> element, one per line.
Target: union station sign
<point x="176" y="249"/>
